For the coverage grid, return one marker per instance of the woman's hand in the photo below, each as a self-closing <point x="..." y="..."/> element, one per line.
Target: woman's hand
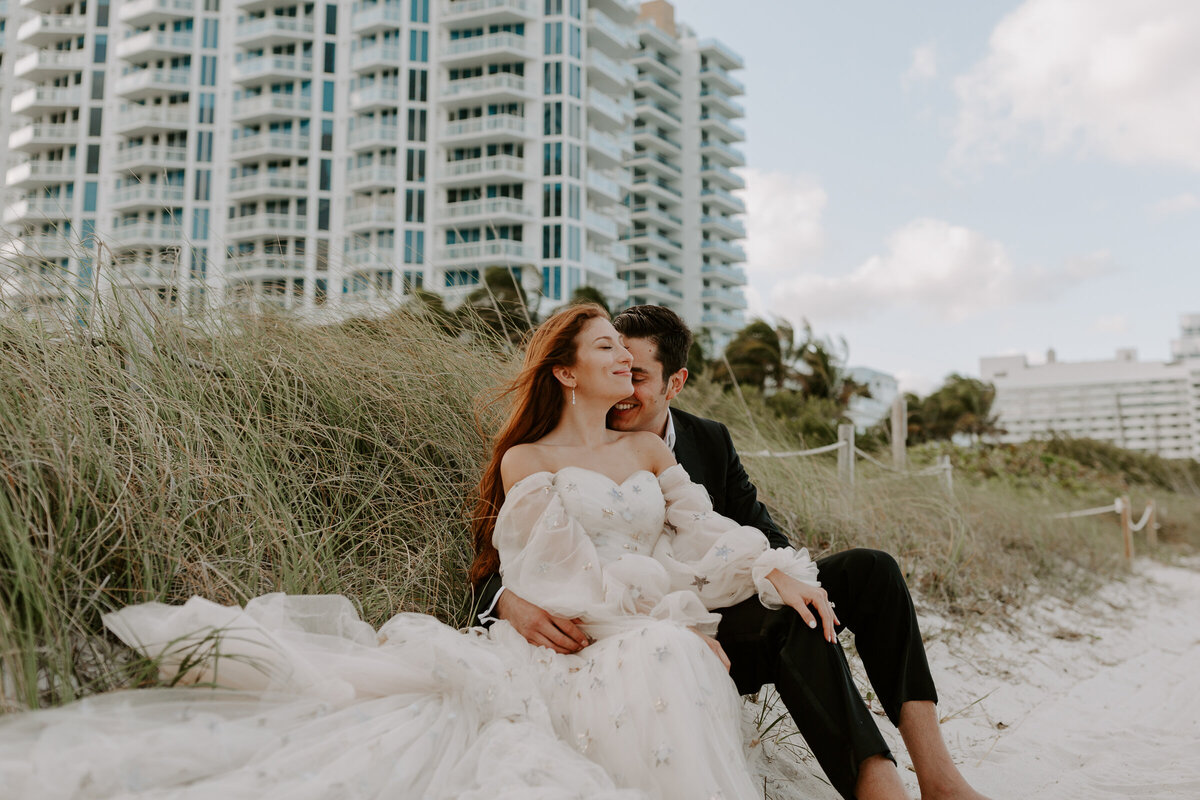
<point x="715" y="646"/>
<point x="800" y="596"/>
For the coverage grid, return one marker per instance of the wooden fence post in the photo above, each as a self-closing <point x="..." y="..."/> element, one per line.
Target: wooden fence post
<point x="947" y="473"/>
<point x="846" y="455"/>
<point x="1127" y="527"/>
<point x="899" y="432"/>
<point x="1151" y="523"/>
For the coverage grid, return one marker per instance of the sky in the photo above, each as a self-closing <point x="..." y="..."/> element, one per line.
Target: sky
<point x="942" y="180"/>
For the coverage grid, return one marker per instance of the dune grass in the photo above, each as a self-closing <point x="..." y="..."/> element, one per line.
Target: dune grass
<point x="150" y="458"/>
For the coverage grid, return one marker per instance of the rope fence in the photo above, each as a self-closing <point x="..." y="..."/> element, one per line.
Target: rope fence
<point x="1123" y="507"/>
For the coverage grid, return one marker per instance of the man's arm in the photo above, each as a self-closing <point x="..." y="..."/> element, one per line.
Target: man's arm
<point x="483" y="599"/>
<point x="741" y="498"/>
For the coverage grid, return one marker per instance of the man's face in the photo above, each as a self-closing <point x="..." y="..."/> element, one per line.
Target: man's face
<point x="647" y="408"/>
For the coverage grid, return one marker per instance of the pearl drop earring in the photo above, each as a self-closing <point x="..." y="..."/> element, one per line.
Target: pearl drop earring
<point x="572" y="395"/>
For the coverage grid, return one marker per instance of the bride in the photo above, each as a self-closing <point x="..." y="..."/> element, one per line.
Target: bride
<point x="305" y="700"/>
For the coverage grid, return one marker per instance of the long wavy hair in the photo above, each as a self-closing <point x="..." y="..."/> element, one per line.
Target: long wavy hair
<point x="537" y="403"/>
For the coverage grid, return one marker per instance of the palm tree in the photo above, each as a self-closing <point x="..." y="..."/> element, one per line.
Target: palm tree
<point x="589" y="294"/>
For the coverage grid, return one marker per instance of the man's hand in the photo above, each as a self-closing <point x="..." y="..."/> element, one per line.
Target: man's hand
<point x="539" y="627"/>
<point x="800" y="596"/>
<point x="715" y="646"/>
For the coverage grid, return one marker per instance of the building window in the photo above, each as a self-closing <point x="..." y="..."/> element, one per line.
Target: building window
<point x="199" y="223"/>
<point x="327" y="135"/>
<point x="553" y="34"/>
<point x="204" y="140"/>
<point x="416" y="124"/>
<point x="552" y="119"/>
<point x="204" y="184"/>
<point x="330" y="58"/>
<point x="95" y="117"/>
<point x="575" y="87"/>
<point x="552" y="282"/>
<point x="415" y="167"/>
<point x="326" y="175"/>
<point x="418" y="46"/>
<point x="208" y="70"/>
<point x="323" y="214"/>
<point x="90" y="190"/>
<point x="93" y="159"/>
<point x="552" y="241"/>
<point x="414" y="247"/>
<point x="552" y="158"/>
<point x="209" y="37"/>
<point x="414" y="205"/>
<point x="327" y="97"/>
<point x="420" y="11"/>
<point x="102" y="14"/>
<point x="418" y="85"/>
<point x="330" y="20"/>
<point x="100" y="51"/>
<point x="98" y="85"/>
<point x="552" y="74"/>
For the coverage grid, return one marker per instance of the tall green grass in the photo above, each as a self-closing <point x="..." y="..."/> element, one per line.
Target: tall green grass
<point x="152" y="458"/>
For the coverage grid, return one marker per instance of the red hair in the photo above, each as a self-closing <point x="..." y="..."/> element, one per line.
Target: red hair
<point x="537" y="401"/>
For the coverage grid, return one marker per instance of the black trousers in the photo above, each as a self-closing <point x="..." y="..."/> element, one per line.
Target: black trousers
<point x="812" y="676"/>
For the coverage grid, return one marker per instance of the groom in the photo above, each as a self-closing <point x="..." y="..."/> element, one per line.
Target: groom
<point x="781" y="646"/>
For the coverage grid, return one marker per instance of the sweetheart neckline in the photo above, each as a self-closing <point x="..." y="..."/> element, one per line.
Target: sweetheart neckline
<point x="554" y="474"/>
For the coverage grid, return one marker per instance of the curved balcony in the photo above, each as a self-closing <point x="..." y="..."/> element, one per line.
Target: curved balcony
<point x="722" y="103"/>
<point x="37" y="210"/>
<point x="146" y="83"/>
<point x="722" y="201"/>
<point x="606" y="150"/>
<point x="658" y="189"/>
<point x="722" y="177"/>
<point x="498" y="209"/>
<point x="488" y="11"/>
<point x="377" y="57"/>
<point x="719" y="248"/>
<point x="377" y="17"/>
<point x="44" y="65"/>
<point x="655" y="164"/>
<point x="269" y="145"/>
<point x="608" y="114"/>
<point x="655" y="242"/>
<point x="268" y="225"/>
<point x="718" y="78"/>
<point x="268" y="184"/>
<point x="46" y="29"/>
<point x="655" y="265"/>
<point x="39" y="136"/>
<point x="491" y="128"/>
<point x="379" y="215"/>
<point x="142" y="157"/>
<point x="504" y="251"/>
<point x="150" y="45"/>
<point x="372" y="135"/>
<point x="652" y="214"/>
<point x="482" y="49"/>
<point x="476" y="170"/>
<point x="651" y="112"/>
<point x="501" y="87"/>
<point x="602" y="225"/>
<point x="375" y="98"/>
<point x="266" y="107"/>
<point x="136" y="120"/>
<point x="653" y="64"/>
<point x="722" y="322"/>
<point x="723" y="129"/>
<point x="651" y="139"/>
<point x="374" y="176"/>
<point x="655" y="290"/>
<point x="720" y="54"/>
<point x="272" y="30"/>
<point x="147" y="196"/>
<point x="607" y="73"/>
<point x="726" y="272"/>
<point x="40" y="173"/>
<point x="658" y="89"/>
<point x="615" y="39"/>
<point x="255" y="70"/>
<point x="723" y="225"/>
<point x="729" y="298"/>
<point x="144" y="13"/>
<point x="604" y="186"/>
<point x="40" y="247"/>
<point x="141" y="235"/>
<point x="264" y="266"/>
<point x="717" y="151"/>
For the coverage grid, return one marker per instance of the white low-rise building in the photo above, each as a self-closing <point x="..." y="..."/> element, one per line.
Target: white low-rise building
<point x="867" y="411"/>
<point x="1146" y="406"/>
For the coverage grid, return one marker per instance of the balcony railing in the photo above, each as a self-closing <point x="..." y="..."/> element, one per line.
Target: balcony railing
<point x="264" y="65"/>
<point x="380" y="214"/>
<point x="482" y="44"/>
<point x="154" y="41"/>
<point x="496" y="207"/>
<point x="378" y="16"/>
<point x="151" y="154"/>
<point x="269" y="103"/>
<point x="43" y="133"/>
<point x="275" y="26"/>
<point x="487" y="83"/>
<point x="374" y="132"/>
<point x="476" y="166"/>
<point x="149" y="194"/>
<point x="496" y="123"/>
<point x="454" y="9"/>
<point x="266" y="223"/>
<point x="273" y="142"/>
<point x="267" y="182"/>
<point x="495" y="249"/>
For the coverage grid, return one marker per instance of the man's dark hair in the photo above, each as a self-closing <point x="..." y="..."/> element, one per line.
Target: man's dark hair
<point x="664" y="328"/>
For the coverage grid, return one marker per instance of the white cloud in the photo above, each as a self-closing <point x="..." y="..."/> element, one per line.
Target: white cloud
<point x="1175" y="206"/>
<point x="783" y="222"/>
<point x="942" y="270"/>
<point x="1113" y="78"/>
<point x="923" y="66"/>
<point x="916" y="382"/>
<point x="1111" y="323"/>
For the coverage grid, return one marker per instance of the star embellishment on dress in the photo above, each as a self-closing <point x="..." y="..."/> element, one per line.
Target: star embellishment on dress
<point x="608" y="512"/>
<point x="661" y="653"/>
<point x="700" y="515"/>
<point x="723" y="552"/>
<point x="662" y="755"/>
<point x="570" y="487"/>
<point x="700" y="582"/>
<point x="660" y="704"/>
<point x="616" y="493"/>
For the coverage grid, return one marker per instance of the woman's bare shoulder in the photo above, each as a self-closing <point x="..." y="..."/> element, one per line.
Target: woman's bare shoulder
<point x="652" y="452"/>
<point x="519" y="462"/>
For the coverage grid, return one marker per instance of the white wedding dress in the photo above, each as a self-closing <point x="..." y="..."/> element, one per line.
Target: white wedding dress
<point x="314" y="703"/>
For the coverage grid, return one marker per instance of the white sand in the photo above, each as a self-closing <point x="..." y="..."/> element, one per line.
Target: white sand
<point x="1094" y="699"/>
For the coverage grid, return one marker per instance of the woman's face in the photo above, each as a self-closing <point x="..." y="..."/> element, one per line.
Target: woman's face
<point x="603" y="368"/>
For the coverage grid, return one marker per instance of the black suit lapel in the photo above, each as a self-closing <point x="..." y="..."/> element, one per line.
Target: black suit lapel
<point x="687" y="452"/>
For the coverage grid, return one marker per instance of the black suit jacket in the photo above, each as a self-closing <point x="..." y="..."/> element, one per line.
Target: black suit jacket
<point x="704" y="448"/>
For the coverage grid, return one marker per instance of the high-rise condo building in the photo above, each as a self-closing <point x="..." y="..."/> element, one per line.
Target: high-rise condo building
<point x="313" y="155"/>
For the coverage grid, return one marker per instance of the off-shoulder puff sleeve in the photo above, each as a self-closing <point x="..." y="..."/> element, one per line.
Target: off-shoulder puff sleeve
<point x="723" y="562"/>
<point x="545" y="555"/>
